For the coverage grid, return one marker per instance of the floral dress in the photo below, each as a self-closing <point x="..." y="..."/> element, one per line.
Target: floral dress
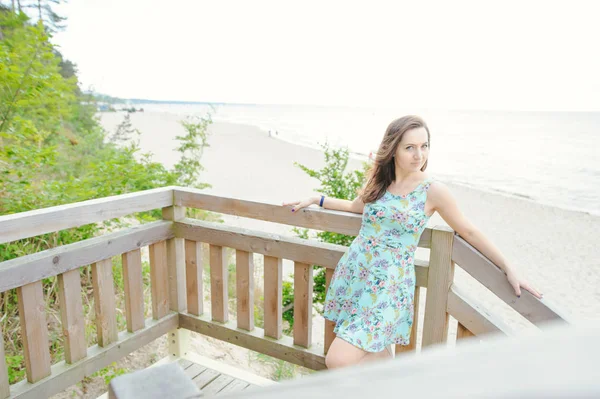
<point x="371" y="294"/>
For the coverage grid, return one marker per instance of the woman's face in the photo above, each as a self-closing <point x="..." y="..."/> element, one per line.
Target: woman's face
<point x="413" y="150"/>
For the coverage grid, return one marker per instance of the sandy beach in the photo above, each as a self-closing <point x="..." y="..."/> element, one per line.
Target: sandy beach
<point x="555" y="249"/>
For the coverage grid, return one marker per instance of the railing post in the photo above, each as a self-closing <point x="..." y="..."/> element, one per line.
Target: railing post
<point x="4" y="387"/>
<point x="179" y="338"/>
<point x="440" y="277"/>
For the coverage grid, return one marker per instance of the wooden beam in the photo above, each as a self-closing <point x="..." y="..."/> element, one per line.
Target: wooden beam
<point x="193" y="277"/>
<point x="218" y="284"/>
<point x="292" y="248"/>
<point x="41" y="221"/>
<point x="255" y="340"/>
<point x="244" y="262"/>
<point x="273" y="294"/>
<point x="441" y="275"/>
<point x="483" y="270"/>
<point x="462" y="332"/>
<point x="472" y="314"/>
<point x="65" y="375"/>
<point x="176" y="262"/>
<point x="104" y="302"/>
<point x="71" y="314"/>
<point x="313" y="218"/>
<point x="4" y="386"/>
<point x="134" y="290"/>
<point x="329" y="325"/>
<point x="303" y="303"/>
<point x="34" y="331"/>
<point x="159" y="279"/>
<point x="31" y="268"/>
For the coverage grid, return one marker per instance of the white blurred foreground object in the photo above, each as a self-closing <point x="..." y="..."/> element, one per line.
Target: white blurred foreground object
<point x="561" y="362"/>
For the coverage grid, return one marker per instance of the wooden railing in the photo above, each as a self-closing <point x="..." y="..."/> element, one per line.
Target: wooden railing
<point x="176" y="259"/>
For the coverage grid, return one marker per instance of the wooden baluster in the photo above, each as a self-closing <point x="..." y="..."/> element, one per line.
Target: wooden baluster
<point x="218" y="283"/>
<point x="303" y="301"/>
<point x="159" y="279"/>
<point x="71" y="314"/>
<point x="193" y="277"/>
<point x="4" y="386"/>
<point x="104" y="302"/>
<point x="34" y="331"/>
<point x="244" y="264"/>
<point x="441" y="275"/>
<point x="179" y="342"/>
<point x="329" y="325"/>
<point x="273" y="297"/>
<point x="134" y="290"/>
<point x="413" y="333"/>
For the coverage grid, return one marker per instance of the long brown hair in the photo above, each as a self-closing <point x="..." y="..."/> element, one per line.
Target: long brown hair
<point x="383" y="170"/>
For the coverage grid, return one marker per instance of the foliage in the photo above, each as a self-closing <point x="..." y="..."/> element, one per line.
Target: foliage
<point x="53" y="151"/>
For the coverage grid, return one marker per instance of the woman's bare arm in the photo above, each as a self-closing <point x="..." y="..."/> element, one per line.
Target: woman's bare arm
<point x="444" y="203"/>
<point x="336" y="204"/>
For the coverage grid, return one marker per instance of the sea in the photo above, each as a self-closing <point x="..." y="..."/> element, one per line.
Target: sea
<point x="547" y="157"/>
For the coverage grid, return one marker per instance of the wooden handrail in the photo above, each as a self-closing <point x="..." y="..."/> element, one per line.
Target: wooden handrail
<point x="52" y="262"/>
<point x="483" y="270"/>
<point x="41" y="221"/>
<point x="311" y="217"/>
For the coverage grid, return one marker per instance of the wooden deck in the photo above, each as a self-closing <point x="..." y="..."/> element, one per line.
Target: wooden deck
<point x="212" y="382"/>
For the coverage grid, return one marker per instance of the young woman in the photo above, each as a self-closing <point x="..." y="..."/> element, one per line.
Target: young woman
<point x="371" y="294"/>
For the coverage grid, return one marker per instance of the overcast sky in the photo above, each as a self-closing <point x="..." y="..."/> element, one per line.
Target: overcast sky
<point x="521" y="55"/>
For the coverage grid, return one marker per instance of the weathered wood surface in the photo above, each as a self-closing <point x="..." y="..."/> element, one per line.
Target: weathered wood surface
<point x="41" y="221"/>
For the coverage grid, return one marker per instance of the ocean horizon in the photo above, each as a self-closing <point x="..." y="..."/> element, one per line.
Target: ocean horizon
<point x="541" y="156"/>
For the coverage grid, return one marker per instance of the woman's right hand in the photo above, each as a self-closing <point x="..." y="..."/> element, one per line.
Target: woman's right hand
<point x="297" y="205"/>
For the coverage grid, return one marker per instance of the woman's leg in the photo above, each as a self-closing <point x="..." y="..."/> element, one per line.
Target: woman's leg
<point x="342" y="353"/>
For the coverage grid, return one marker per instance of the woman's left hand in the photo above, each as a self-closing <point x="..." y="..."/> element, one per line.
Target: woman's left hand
<point x="517" y="283"/>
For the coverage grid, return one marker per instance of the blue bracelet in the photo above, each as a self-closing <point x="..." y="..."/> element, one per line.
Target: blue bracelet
<point x="322" y="199"/>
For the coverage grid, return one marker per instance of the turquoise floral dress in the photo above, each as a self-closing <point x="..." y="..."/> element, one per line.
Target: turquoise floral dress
<point x="371" y="294"/>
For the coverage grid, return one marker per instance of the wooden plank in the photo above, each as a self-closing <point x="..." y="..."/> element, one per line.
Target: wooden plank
<point x="441" y="275"/>
<point x="255" y="340"/>
<point x="159" y="279"/>
<point x="219" y="296"/>
<point x="31" y="268"/>
<point x="472" y="314"/>
<point x="483" y="270"/>
<point x="71" y="314"/>
<point x="412" y="346"/>
<point x="65" y="375"/>
<point x="4" y="386"/>
<point x="244" y="263"/>
<point x="193" y="277"/>
<point x="41" y="221"/>
<point x="235" y="386"/>
<point x="216" y="385"/>
<point x="104" y="302"/>
<point x="205" y="378"/>
<point x="329" y="325"/>
<point x="194" y="370"/>
<point x="34" y="331"/>
<point x="303" y="303"/>
<point x="134" y="290"/>
<point x="176" y="262"/>
<point x="273" y="294"/>
<point x="462" y="332"/>
<point x="184" y="363"/>
<point x="293" y="248"/>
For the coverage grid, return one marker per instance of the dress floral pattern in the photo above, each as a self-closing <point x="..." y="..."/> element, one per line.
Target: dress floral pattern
<point x="371" y="294"/>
